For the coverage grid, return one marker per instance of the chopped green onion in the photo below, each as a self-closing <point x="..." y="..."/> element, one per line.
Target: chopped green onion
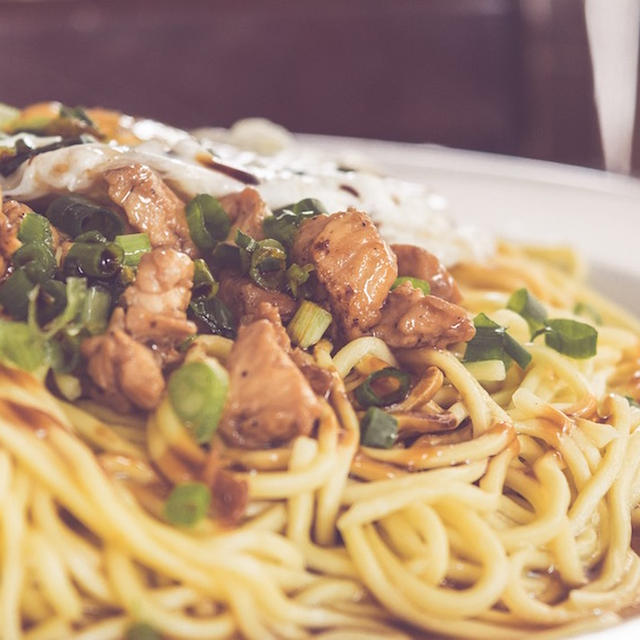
<point x="14" y="294"/>
<point x="283" y="224"/>
<point x="93" y="259"/>
<point x="76" y="215"/>
<point x="305" y="206"/>
<point x="585" y="309"/>
<point x="416" y="283"/>
<point x="378" y="429"/>
<point x="230" y="256"/>
<point x="531" y="309"/>
<point x="68" y="319"/>
<point x="492" y="342"/>
<point x="367" y="396"/>
<point x="51" y="301"/>
<point x="308" y="324"/>
<point x="21" y="346"/>
<point x="134" y="246"/>
<point x="76" y="113"/>
<point x="633" y="402"/>
<point x="268" y="264"/>
<point x="63" y="352"/>
<point x="187" y="504"/>
<point x="282" y="227"/>
<point x="95" y="312"/>
<point x="208" y="221"/>
<point x="36" y="260"/>
<point x="213" y="316"/>
<point x="572" y="338"/>
<point x="245" y="241"/>
<point x="197" y="391"/>
<point x="204" y="284"/>
<point x="36" y="229"/>
<point x="297" y="276"/>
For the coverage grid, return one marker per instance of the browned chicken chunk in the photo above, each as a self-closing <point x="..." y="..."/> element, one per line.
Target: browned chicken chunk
<point x="243" y="297"/>
<point x="11" y="215"/>
<point x="353" y="264"/>
<point x="121" y="368"/>
<point x="411" y="319"/>
<point x="417" y="262"/>
<point x="151" y="207"/>
<point x="269" y="401"/>
<point x="246" y="210"/>
<point x="158" y="299"/>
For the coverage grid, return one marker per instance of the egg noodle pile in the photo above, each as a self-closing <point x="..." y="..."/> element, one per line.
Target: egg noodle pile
<point x="517" y="523"/>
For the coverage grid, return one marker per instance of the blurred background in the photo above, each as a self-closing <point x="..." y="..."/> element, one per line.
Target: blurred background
<point x="506" y="76"/>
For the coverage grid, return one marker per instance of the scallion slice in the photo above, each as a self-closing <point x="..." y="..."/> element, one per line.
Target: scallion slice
<point x="531" y="309"/>
<point x="378" y="429"/>
<point x="571" y="338"/>
<point x="213" y="316"/>
<point x="14" y="294"/>
<point x="230" y="256"/>
<point x="208" y="221"/>
<point x="36" y="260"/>
<point x="197" y="391"/>
<point x="308" y="324"/>
<point x="95" y="311"/>
<point x="51" y="301"/>
<point x="35" y="228"/>
<point x="187" y="504"/>
<point x="134" y="246"/>
<point x="395" y="381"/>
<point x="492" y="342"/>
<point x="297" y="276"/>
<point x="245" y="241"/>
<point x="283" y="224"/>
<point x="204" y="284"/>
<point x="76" y="215"/>
<point x="268" y="264"/>
<point x="21" y="346"/>
<point x="93" y="259"/>
<point x="416" y="283"/>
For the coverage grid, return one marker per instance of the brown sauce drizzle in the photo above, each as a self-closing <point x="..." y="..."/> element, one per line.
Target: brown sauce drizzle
<point x="207" y="160"/>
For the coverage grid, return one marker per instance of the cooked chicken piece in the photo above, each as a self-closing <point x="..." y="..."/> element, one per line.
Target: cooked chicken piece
<point x="246" y="210"/>
<point x="120" y="366"/>
<point x="411" y="319"/>
<point x="11" y="215"/>
<point x="244" y="297"/>
<point x="158" y="299"/>
<point x="151" y="207"/>
<point x="320" y="379"/>
<point x="417" y="262"/>
<point x="269" y="401"/>
<point x="353" y="264"/>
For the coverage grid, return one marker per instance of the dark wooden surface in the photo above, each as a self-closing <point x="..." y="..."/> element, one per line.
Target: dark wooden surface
<point x="496" y="75"/>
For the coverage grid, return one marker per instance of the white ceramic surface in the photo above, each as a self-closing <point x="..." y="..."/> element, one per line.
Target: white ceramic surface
<point x="595" y="212"/>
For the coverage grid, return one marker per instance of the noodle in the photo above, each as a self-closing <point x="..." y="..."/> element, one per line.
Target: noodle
<point x="512" y="516"/>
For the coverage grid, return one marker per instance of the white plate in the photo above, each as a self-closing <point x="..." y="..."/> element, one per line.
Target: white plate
<point x="532" y="201"/>
<point x="528" y="200"/>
